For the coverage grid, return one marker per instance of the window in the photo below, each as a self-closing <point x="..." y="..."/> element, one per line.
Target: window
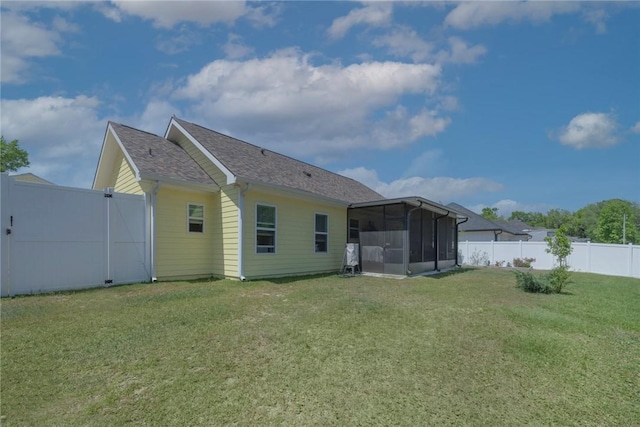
<point x="195" y="218"/>
<point x="265" y="229"/>
<point x="354" y="229"/>
<point x="322" y="233"/>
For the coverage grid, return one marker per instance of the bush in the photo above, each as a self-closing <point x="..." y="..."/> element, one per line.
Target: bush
<point x="529" y="282"/>
<point x="558" y="278"/>
<point x="479" y="258"/>
<point x="550" y="283"/>
<point x="523" y="262"/>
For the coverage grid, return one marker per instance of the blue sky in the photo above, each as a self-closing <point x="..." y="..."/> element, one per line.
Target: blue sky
<point x="515" y="105"/>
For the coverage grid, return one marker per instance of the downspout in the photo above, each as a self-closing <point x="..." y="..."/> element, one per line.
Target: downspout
<point x="152" y="235"/>
<point x="496" y="233"/>
<point x="241" y="231"/>
<point x="437" y="237"/>
<point x="406" y="261"/>
<point x="457" y="238"/>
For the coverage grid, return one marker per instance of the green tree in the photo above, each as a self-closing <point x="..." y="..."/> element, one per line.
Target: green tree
<point x="491" y="214"/>
<point x="559" y="246"/>
<point x="611" y="223"/>
<point x="12" y="156"/>
<point x="556" y="218"/>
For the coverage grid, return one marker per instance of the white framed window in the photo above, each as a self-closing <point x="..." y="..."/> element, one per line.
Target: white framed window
<point x="322" y="233"/>
<point x="195" y="218"/>
<point x="354" y="229"/>
<point x="265" y="229"/>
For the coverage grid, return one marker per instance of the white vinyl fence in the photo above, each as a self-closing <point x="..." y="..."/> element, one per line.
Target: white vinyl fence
<point x="613" y="260"/>
<point x="60" y="238"/>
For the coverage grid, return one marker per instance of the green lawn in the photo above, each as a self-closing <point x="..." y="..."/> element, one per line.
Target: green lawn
<point x="464" y="348"/>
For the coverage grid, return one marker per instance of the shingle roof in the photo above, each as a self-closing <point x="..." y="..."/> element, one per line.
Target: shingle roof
<point x="156" y="156"/>
<point x="253" y="163"/>
<point x="479" y="223"/>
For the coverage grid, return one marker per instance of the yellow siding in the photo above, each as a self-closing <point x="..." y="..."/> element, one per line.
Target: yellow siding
<point x="124" y="180"/>
<point x="225" y="226"/>
<point x="179" y="253"/>
<point x="295" y="237"/>
<point x="226" y="221"/>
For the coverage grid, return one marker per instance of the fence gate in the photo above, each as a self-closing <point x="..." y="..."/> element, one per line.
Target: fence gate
<point x="61" y="238"/>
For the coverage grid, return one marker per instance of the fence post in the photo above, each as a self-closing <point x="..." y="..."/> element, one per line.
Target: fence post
<point x="630" y="259"/>
<point x="520" y="248"/>
<point x="492" y="253"/>
<point x="588" y="256"/>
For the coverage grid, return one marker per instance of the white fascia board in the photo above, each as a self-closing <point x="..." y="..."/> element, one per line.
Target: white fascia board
<point x="124" y="152"/>
<point x="231" y="178"/>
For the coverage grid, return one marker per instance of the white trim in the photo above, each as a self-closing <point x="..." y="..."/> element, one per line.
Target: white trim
<point x="231" y="178"/>
<point x="316" y="232"/>
<point x="274" y="229"/>
<point x="99" y="170"/>
<point x="189" y="204"/>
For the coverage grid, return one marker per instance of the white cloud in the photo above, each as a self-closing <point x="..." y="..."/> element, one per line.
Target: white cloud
<point x="460" y="52"/>
<point x="428" y="163"/>
<point x="235" y="49"/>
<point x="65" y="145"/>
<point x="636" y="128"/>
<point x="155" y="117"/>
<point x="374" y="14"/>
<point x="405" y="42"/>
<point x="178" y="43"/>
<point x="323" y="110"/>
<point x="589" y="130"/>
<point x="469" y="15"/>
<point x="22" y="40"/>
<point x="437" y="189"/>
<point x="166" y="14"/>
<point x="598" y="18"/>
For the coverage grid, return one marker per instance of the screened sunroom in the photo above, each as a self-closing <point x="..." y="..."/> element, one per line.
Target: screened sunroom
<point x="406" y="236"/>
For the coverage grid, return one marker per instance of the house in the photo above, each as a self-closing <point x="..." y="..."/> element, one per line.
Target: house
<point x="29" y="177"/>
<point x="479" y="229"/>
<point x="218" y="206"/>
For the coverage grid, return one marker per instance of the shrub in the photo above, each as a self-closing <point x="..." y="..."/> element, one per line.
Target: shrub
<point x="523" y="262"/>
<point x="550" y="283"/>
<point x="558" y="278"/>
<point x="479" y="258"/>
<point x="529" y="282"/>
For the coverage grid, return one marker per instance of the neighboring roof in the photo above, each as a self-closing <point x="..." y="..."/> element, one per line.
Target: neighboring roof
<point x="416" y="201"/>
<point x="155" y="156"/>
<point x="515" y="226"/>
<point x="29" y="177"/>
<point x="479" y="223"/>
<point x="251" y="163"/>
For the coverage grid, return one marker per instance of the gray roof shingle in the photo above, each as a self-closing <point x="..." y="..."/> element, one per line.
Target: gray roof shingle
<point x="253" y="163"/>
<point x="479" y="223"/>
<point x="156" y="156"/>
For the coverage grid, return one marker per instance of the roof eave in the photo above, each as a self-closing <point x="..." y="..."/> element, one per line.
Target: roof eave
<point x="231" y="178"/>
<point x="412" y="200"/>
<point x="209" y="188"/>
<point x="291" y="190"/>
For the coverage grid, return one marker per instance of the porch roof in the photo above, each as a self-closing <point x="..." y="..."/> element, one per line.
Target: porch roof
<point x="414" y="201"/>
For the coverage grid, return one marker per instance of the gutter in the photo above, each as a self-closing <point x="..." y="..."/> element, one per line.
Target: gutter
<point x="458" y="239"/>
<point x="435" y="232"/>
<point x="241" y="194"/>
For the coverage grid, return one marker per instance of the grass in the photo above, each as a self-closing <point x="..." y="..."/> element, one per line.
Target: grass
<point x="457" y="349"/>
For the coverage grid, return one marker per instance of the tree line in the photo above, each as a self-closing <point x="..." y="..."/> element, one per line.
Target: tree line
<point x="608" y="221"/>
